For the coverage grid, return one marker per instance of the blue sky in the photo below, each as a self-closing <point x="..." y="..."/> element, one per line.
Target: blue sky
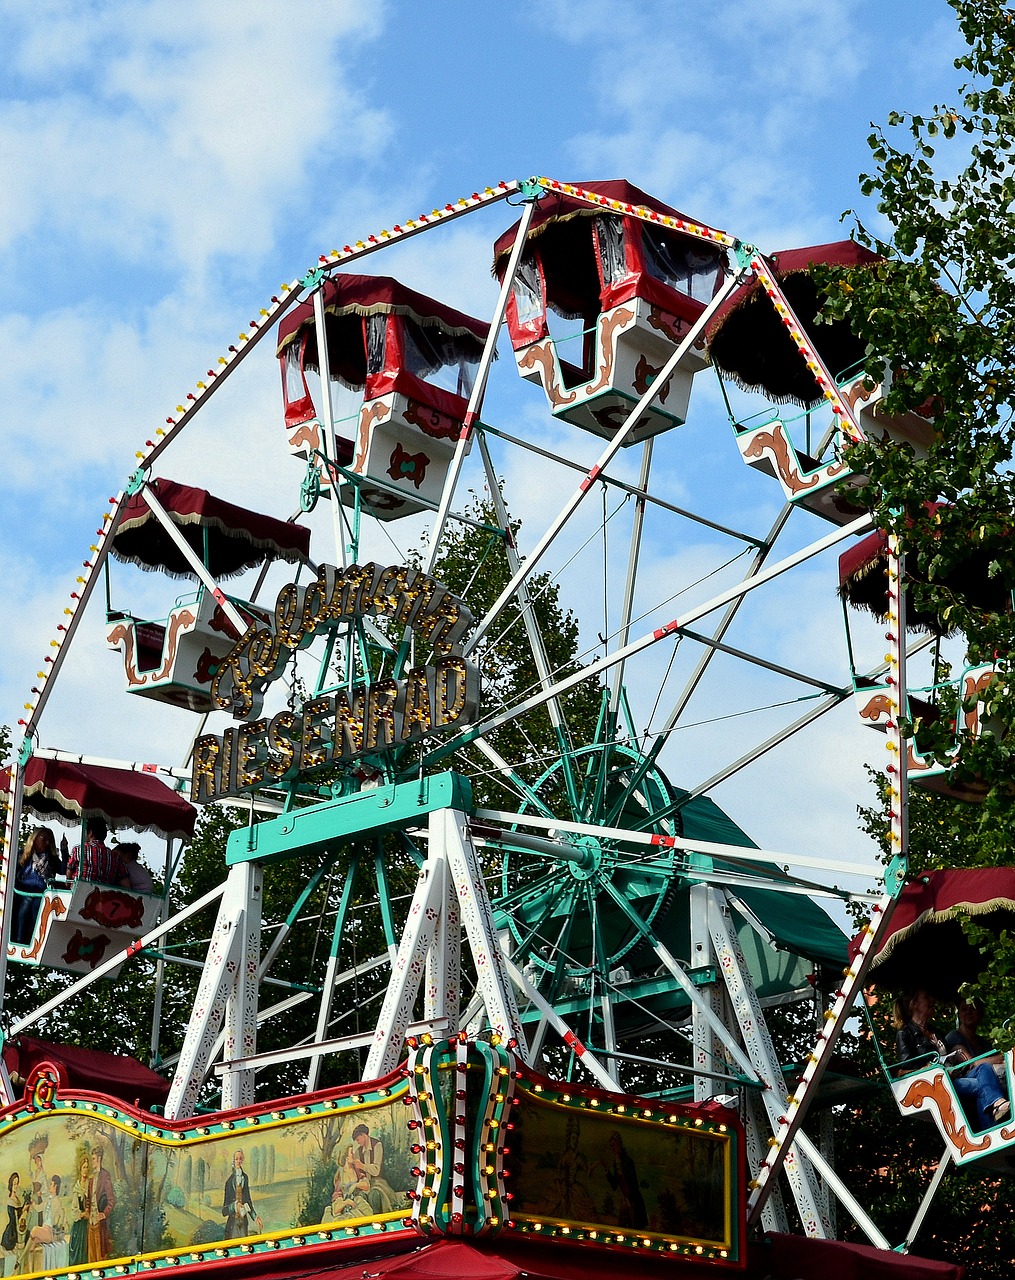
<point x="167" y="166"/>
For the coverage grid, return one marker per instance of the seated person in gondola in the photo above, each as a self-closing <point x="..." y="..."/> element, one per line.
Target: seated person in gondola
<point x="967" y="1036"/>
<point x="94" y="861"/>
<point x="138" y="875"/>
<point x="38" y="862"/>
<point x="919" y="1045"/>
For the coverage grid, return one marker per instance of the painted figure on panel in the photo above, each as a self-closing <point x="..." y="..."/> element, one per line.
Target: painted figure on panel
<point x="101" y="1203"/>
<point x="237" y="1206"/>
<point x="12" y="1241"/>
<point x="600" y="1171"/>
<point x="575" y="1203"/>
<point x="49" y="1247"/>
<point x="349" y="1194"/>
<point x="367" y="1160"/>
<point x="77" y="1253"/>
<point x="623" y="1178"/>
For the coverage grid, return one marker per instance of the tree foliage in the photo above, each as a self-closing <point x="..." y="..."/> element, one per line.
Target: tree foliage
<point x="940" y="310"/>
<point x="473" y="563"/>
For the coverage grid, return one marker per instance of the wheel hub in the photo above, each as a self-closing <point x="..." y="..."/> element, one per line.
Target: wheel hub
<point x="594" y="858"/>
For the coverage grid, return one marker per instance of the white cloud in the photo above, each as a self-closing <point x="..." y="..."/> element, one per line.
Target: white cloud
<point x="177" y="129"/>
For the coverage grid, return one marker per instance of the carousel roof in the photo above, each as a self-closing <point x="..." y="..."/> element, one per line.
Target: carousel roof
<point x="123" y="797"/>
<point x="558" y="206"/>
<point x="777" y="1257"/>
<point x="925" y="946"/>
<point x="748" y="341"/>
<point x="238" y="539"/>
<point x="797" y="923"/>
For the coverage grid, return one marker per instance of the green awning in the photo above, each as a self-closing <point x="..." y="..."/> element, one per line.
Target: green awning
<point x="797" y="923"/>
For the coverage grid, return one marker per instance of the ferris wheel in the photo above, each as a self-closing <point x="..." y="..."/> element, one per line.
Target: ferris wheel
<point x="473" y="736"/>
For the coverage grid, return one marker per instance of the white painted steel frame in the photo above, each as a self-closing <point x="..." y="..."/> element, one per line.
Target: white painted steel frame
<point x="733" y="852"/>
<point x="861" y="525"/>
<point x="451" y="867"/>
<point x="605" y="458"/>
<point x="329" y="438"/>
<point x="228" y="982"/>
<point x="751" y="1020"/>
<point x="478" y="392"/>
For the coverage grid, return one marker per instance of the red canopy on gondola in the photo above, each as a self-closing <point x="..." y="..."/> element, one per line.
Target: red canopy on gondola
<point x="123" y="797"/>
<point x="925" y="946"/>
<point x="237" y="538"/>
<point x="113" y="1074"/>
<point x="863" y="576"/>
<point x="350" y="297"/>
<point x="558" y="206"/>
<point x="748" y="341"/>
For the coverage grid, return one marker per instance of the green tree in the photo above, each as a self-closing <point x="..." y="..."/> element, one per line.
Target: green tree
<point x="940" y="309"/>
<point x="472" y="563"/>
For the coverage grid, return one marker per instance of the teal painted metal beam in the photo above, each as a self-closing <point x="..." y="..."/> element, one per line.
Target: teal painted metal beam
<point x="318" y="828"/>
<point x="638" y="991"/>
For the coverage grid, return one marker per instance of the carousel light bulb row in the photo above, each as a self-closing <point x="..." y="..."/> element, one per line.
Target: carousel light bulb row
<point x="619" y="1237"/>
<point x="826" y="383"/>
<point x="427" y="1127"/>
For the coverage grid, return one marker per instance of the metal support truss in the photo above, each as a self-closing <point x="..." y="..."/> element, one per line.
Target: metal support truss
<point x="944" y="1164"/>
<point x="835" y="1018"/>
<point x="550" y="1017"/>
<point x="227" y="991"/>
<point x="751" y="1020"/>
<point x="451" y="869"/>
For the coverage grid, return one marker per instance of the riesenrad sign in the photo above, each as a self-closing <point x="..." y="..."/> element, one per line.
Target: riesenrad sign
<point x="366" y="717"/>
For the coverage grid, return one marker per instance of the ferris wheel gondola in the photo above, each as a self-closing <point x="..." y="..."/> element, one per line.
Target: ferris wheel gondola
<point x="78" y="924"/>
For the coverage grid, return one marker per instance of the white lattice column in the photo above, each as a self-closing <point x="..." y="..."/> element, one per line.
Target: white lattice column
<point x="410" y="963"/>
<point x="241" y="1000"/>
<point x="706" y="1049"/>
<point x="443" y="981"/>
<point x="758" y="1041"/>
<point x="222" y="963"/>
<point x="773" y="1215"/>
<point x="477" y="917"/>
